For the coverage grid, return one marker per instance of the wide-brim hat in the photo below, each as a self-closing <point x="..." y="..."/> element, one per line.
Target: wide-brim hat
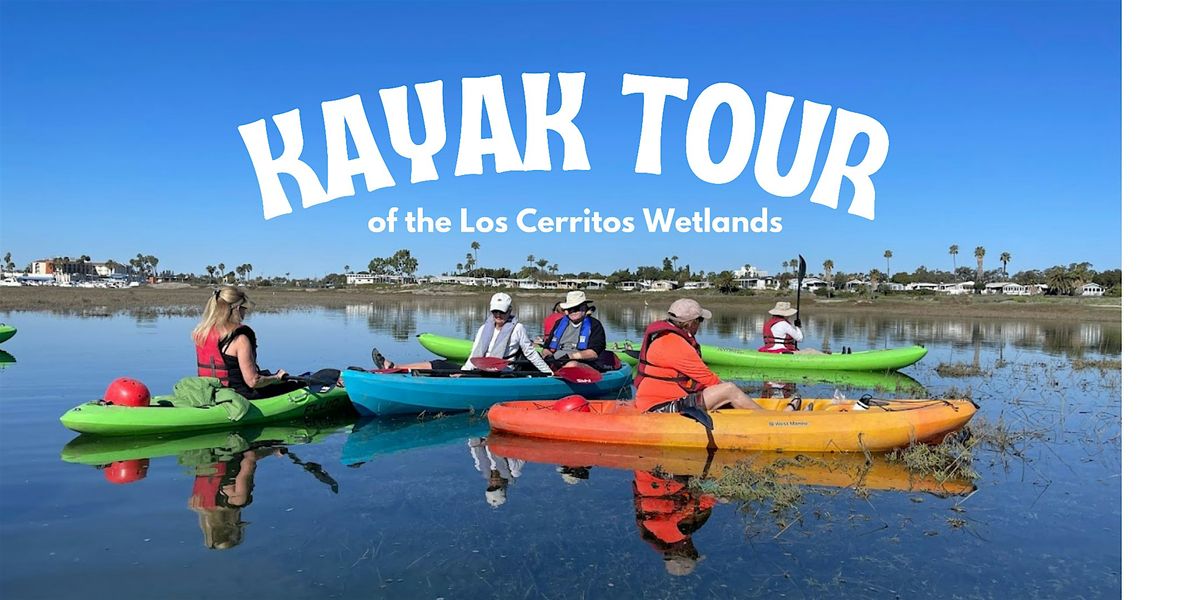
<point x="782" y="309"/>
<point x="574" y="298"/>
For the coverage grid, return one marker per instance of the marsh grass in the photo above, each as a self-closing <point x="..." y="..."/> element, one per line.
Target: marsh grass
<point x="958" y="370"/>
<point x="951" y="459"/>
<point x="1080" y="364"/>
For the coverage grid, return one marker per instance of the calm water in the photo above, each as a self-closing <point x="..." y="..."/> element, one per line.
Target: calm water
<point x="424" y="509"/>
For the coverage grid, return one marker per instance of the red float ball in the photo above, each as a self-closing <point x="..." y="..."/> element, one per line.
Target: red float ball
<point x="125" y="391"/>
<point x="573" y="403"/>
<point x="127" y="471"/>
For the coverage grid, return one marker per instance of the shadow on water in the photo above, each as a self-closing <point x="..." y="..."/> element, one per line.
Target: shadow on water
<point x="223" y="464"/>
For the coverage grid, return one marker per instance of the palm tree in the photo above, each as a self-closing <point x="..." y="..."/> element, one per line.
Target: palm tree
<point x="954" y="255"/>
<point x="529" y="259"/>
<point x="828" y="265"/>
<point x="979" y="252"/>
<point x="475" y="247"/>
<point x="458" y="268"/>
<point x="887" y="255"/>
<point x="220" y="269"/>
<point x="241" y="271"/>
<point x="1004" y="258"/>
<point x="541" y="263"/>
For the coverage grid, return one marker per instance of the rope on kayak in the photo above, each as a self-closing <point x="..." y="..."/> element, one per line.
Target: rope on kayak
<point x="868" y="401"/>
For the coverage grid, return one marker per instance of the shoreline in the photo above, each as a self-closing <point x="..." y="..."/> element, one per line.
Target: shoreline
<point x="185" y="299"/>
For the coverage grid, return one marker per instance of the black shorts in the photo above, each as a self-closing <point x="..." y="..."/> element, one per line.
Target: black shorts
<point x="442" y="365"/>
<point x="693" y="400"/>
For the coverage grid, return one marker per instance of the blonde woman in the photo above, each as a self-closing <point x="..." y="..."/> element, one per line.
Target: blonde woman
<point x="228" y="350"/>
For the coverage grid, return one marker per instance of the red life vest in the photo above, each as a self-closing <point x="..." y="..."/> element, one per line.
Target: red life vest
<point x="656" y="330"/>
<point x="769" y="339"/>
<point x="663" y="505"/>
<point x="209" y="362"/>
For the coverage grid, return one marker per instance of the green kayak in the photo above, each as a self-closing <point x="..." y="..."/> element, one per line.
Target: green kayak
<point x="6" y="332"/>
<point x="99" y="418"/>
<point x="103" y="450"/>
<point x="879" y="381"/>
<point x="866" y="360"/>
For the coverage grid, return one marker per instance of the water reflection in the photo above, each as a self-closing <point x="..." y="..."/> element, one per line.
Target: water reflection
<point x="223" y="465"/>
<point x="6" y="359"/>
<point x="373" y="438"/>
<point x="668" y="511"/>
<point x="742" y="327"/>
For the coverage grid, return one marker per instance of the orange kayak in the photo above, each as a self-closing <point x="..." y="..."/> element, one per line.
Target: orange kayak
<point x="820" y="425"/>
<point x="826" y="470"/>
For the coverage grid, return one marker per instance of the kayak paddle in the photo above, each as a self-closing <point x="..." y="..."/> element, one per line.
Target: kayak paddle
<point x="574" y="374"/>
<point x="803" y="270"/>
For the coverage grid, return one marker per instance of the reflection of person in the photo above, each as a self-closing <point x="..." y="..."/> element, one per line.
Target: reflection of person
<point x="218" y="498"/>
<point x="228" y="350"/>
<point x="577" y="338"/>
<point x="671" y="376"/>
<point x="501" y="336"/>
<point x="497" y="470"/>
<point x="667" y="514"/>
<point x="573" y="475"/>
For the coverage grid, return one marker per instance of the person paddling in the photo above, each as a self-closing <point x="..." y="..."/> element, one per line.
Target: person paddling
<point x="228" y="350"/>
<point x="781" y="336"/>
<point x="671" y="376"/>
<point x="578" y="338"/>
<point x="501" y="336"/>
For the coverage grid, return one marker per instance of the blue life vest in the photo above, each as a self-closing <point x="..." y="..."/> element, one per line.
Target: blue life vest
<point x="560" y="328"/>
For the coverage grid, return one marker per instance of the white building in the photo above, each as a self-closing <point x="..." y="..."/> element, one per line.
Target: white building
<point x="376" y="279"/>
<point x="1091" y="289"/>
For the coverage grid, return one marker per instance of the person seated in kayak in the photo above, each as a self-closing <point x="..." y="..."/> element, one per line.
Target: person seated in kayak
<point x="227" y="349"/>
<point x="550" y="321"/>
<point x="501" y="336"/>
<point x="781" y="336"/>
<point x="671" y="376"/>
<point x="577" y="338"/>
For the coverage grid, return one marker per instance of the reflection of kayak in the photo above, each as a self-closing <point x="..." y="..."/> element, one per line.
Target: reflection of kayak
<point x="823" y="425"/>
<point x="409" y="394"/>
<point x="6" y="359"/>
<point x="890" y="381"/>
<point x="6" y="332"/>
<point x="372" y="438"/>
<point x="832" y="470"/>
<point x="93" y="450"/>
<point x="865" y="360"/>
<point x="109" y="419"/>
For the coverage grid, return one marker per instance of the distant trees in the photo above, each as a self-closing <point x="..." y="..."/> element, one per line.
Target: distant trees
<point x="887" y="255"/>
<point x="402" y="263"/>
<point x="1004" y="258"/>
<point x="954" y="255"/>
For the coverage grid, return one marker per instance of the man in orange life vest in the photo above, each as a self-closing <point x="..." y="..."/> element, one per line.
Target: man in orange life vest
<point x="668" y="512"/>
<point x="671" y="376"/>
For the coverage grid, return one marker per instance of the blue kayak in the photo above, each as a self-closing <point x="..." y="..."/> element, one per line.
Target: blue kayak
<point x="377" y="394"/>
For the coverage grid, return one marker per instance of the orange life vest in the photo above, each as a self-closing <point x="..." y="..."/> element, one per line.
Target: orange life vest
<point x="655" y="331"/>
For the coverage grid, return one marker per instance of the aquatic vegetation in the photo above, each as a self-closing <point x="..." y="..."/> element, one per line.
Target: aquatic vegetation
<point x="958" y="370"/>
<point x="951" y="459"/>
<point x="1103" y="364"/>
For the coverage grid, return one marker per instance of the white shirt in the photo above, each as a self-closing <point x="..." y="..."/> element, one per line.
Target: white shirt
<point x="783" y="329"/>
<point x="518" y="341"/>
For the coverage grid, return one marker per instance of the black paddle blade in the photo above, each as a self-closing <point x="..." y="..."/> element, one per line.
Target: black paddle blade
<point x="803" y="268"/>
<point x="698" y="416"/>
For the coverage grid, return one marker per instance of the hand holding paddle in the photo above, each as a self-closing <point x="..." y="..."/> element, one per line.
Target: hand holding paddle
<point x="572" y="374"/>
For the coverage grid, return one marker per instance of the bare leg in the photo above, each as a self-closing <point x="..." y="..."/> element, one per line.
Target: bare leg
<point x="419" y="366"/>
<point x="727" y="393"/>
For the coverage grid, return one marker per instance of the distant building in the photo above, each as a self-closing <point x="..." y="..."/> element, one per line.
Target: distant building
<point x="377" y="279"/>
<point x="1091" y="289"/>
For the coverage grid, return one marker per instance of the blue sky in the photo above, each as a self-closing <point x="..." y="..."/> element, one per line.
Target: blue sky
<point x="118" y="128"/>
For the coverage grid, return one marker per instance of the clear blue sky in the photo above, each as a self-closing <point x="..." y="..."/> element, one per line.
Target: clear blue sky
<point x="118" y="128"/>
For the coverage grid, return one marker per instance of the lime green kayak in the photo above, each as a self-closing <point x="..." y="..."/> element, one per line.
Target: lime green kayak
<point x="6" y="332"/>
<point x="99" y="418"/>
<point x="866" y="360"/>
<point x="879" y="381"/>
<point x="103" y="450"/>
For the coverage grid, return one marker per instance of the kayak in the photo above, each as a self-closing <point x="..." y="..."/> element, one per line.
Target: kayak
<point x="378" y="394"/>
<point x="828" y="425"/>
<point x="102" y="450"/>
<point x="826" y="470"/>
<point x="100" y="418"/>
<point x="6" y="332"/>
<point x="373" y="438"/>
<point x="882" y="381"/>
<point x="866" y="360"/>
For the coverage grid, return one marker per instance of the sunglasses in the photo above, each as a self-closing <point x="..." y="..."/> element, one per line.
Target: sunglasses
<point x="575" y="309"/>
<point x="498" y="313"/>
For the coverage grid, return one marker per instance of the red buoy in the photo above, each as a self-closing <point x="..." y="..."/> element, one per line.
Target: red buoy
<point x="125" y="391"/>
<point x="127" y="471"/>
<point x="573" y="403"/>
